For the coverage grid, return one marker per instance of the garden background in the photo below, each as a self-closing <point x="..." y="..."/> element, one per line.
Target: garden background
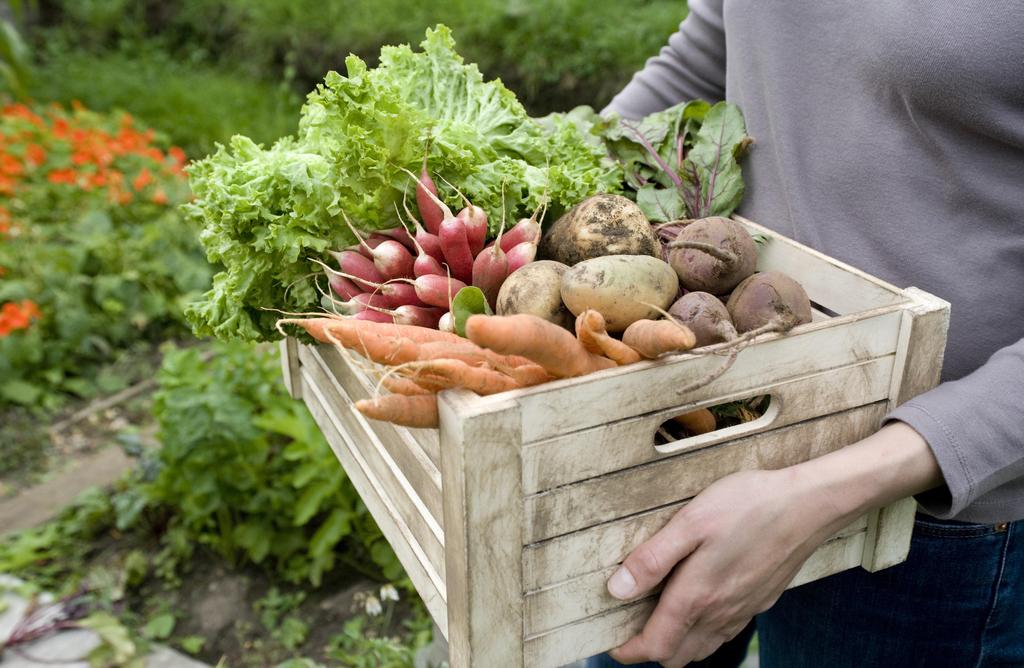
<point x="230" y="531"/>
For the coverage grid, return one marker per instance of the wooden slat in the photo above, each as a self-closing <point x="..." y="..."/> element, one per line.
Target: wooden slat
<point x="592" y="452"/>
<point x="428" y="580"/>
<point x="829" y="282"/>
<point x="289" y="349"/>
<point x="918" y="364"/>
<point x="564" y="406"/>
<point x="392" y="481"/>
<point x="416" y="466"/>
<point x="574" y="507"/>
<point x="351" y="373"/>
<point x="483" y="516"/>
<point x="588" y="637"/>
<point x="587" y="595"/>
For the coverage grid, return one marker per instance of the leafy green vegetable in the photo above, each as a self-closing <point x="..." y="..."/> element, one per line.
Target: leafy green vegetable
<point x="681" y="162"/>
<point x="468" y="301"/>
<point x="265" y="212"/>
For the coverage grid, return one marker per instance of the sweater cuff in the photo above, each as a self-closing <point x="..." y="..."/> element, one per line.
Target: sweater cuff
<point x="951" y="499"/>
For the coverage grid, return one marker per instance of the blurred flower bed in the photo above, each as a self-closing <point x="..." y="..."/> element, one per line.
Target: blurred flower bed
<point x="94" y="256"/>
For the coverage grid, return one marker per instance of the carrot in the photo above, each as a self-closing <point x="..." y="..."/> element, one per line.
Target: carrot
<point x="545" y="343"/>
<point x="529" y="375"/>
<point x="470" y="353"/>
<point x="590" y="330"/>
<point x="652" y="338"/>
<point x="350" y="332"/>
<point x="399" y="385"/>
<point x="700" y="421"/>
<point x="315" y="327"/>
<point x="418" y="411"/>
<point x="442" y="374"/>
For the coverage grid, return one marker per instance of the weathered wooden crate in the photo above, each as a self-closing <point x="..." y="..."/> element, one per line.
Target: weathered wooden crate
<point x="510" y="518"/>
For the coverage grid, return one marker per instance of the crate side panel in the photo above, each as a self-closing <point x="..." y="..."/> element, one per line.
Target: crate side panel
<point x="586" y="596"/>
<point x="483" y="517"/>
<point x="359" y="385"/>
<point x="580" y="505"/>
<point x="392" y="482"/>
<point x="422" y="474"/>
<point x="829" y="282"/>
<point x="593" y="452"/>
<point x="607" y="396"/>
<point x="425" y="576"/>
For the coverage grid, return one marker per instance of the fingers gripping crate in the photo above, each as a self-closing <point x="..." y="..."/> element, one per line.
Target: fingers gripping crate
<point x="510" y="518"/>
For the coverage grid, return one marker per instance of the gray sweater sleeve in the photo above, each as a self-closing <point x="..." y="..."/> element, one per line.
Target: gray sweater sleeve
<point x="691" y="65"/>
<point x="973" y="425"/>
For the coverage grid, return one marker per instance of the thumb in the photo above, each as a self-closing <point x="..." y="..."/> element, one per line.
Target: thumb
<point x="652" y="560"/>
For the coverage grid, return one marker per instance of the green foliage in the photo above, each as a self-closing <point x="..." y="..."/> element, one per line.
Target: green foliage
<point x="14" y="60"/>
<point x="196" y="104"/>
<point x="362" y="644"/>
<point x="247" y="472"/>
<point x="94" y="255"/>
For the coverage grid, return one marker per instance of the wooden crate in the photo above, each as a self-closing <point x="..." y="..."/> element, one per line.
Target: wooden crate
<point x="511" y="517"/>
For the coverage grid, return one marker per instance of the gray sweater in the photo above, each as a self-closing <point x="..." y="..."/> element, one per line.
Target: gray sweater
<point x="890" y="135"/>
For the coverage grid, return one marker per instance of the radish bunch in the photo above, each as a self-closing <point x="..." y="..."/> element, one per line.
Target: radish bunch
<point x="411" y="278"/>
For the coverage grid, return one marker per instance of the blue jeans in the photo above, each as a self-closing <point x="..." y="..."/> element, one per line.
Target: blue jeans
<point x="957" y="602"/>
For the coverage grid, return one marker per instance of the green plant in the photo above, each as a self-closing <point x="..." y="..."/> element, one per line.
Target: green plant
<point x="245" y="470"/>
<point x="93" y="254"/>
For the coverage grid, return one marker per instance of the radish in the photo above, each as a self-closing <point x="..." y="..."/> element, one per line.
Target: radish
<point x="437" y="290"/>
<point x="375" y="316"/>
<point x="455" y="245"/>
<point x="525" y="230"/>
<point x="394" y="290"/>
<point x="343" y="287"/>
<point x="427" y="200"/>
<point x="366" y="248"/>
<point x="425" y="242"/>
<point x="447" y="323"/>
<point x="491" y="267"/>
<point x="401" y="235"/>
<point x="391" y="258"/>
<point x="521" y="254"/>
<point x="358" y="303"/>
<point x="357" y="268"/>
<point x="407" y="314"/>
<point x="475" y="220"/>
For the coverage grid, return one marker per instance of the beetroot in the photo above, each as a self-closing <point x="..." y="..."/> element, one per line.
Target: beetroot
<point x="771" y="301"/>
<point x="713" y="255"/>
<point x="706" y="316"/>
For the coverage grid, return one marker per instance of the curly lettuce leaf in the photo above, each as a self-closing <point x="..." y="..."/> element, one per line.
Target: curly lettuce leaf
<point x="267" y="211"/>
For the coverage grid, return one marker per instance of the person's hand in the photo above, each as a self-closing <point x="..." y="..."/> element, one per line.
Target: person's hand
<point x="740" y="543"/>
<point x="730" y="553"/>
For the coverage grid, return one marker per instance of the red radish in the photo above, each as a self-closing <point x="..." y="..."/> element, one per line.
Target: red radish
<point x="394" y="290"/>
<point x="525" y="230"/>
<point x="421" y="316"/>
<point x="446" y="323"/>
<point x="424" y="241"/>
<point x="437" y="290"/>
<point x="490" y="269"/>
<point x="456" y="248"/>
<point x="427" y="200"/>
<point x="475" y="219"/>
<point x="343" y="287"/>
<point x="366" y="248"/>
<point x="391" y="258"/>
<point x="360" y="269"/>
<point x="521" y="254"/>
<point x="375" y="316"/>
<point x="401" y="235"/>
<point x="358" y="303"/>
<point x="427" y="266"/>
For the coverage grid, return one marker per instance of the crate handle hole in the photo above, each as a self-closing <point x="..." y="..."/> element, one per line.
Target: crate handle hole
<point x="689" y="429"/>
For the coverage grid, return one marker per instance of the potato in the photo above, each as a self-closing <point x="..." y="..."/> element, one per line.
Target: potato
<point x="620" y="287"/>
<point x="597" y="226"/>
<point x="535" y="288"/>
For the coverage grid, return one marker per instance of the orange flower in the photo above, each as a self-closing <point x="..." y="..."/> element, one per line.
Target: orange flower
<point x="35" y="154"/>
<point x="143" y="179"/>
<point x="68" y="176"/>
<point x="6" y="185"/>
<point x="9" y="165"/>
<point x="178" y="154"/>
<point x="14" y="316"/>
<point x="77" y="105"/>
<point x="160" y="197"/>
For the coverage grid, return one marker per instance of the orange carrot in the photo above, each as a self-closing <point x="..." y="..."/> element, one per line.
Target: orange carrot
<point x="470" y="353"/>
<point x="399" y="385"/>
<point x="315" y="327"/>
<point x="700" y="421"/>
<point x="652" y="338"/>
<point x="442" y="374"/>
<point x="408" y="411"/>
<point x="544" y="342"/>
<point x="591" y="332"/>
<point x="347" y="330"/>
<point x="528" y="375"/>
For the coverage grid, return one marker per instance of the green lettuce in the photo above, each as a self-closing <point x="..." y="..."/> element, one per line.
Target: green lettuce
<point x="265" y="212"/>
